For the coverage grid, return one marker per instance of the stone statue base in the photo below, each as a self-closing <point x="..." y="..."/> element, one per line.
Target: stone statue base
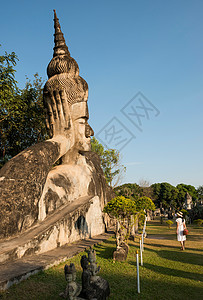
<point x="121" y="253"/>
<point x="99" y="290"/>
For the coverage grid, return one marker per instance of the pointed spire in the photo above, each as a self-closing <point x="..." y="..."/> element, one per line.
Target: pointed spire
<point x="60" y="47"/>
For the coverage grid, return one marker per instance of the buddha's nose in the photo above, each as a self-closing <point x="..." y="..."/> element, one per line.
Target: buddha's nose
<point x="88" y="131"/>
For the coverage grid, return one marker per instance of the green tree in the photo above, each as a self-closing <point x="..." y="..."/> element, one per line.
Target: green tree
<point x="8" y="100"/>
<point x="123" y="210"/>
<point x="22" y="120"/>
<point x="164" y="194"/>
<point x="110" y="162"/>
<point x="200" y="193"/>
<point x="156" y="188"/>
<point x="120" y="207"/>
<point x="32" y="128"/>
<point x="129" y="190"/>
<point x="144" y="203"/>
<point x="182" y="190"/>
<point x="188" y="188"/>
<point x="171" y="197"/>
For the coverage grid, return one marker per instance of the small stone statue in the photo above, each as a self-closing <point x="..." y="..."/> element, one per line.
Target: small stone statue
<point x="93" y="264"/>
<point x="120" y="238"/>
<point x="88" y="292"/>
<point x="121" y="247"/>
<point x="93" y="286"/>
<point x="73" y="289"/>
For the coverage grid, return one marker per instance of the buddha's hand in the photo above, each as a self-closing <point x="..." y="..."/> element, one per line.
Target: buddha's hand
<point x="58" y="120"/>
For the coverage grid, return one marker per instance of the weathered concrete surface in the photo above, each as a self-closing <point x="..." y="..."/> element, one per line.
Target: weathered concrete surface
<point x="71" y="223"/>
<point x="20" y="269"/>
<point x="21" y="183"/>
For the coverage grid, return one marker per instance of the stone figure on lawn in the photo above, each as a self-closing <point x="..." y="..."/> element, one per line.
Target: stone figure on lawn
<point x="93" y="286"/>
<point x="73" y="289"/>
<point x="122" y="247"/>
<point x="93" y="264"/>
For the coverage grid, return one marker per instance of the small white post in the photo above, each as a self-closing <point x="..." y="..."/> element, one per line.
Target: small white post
<point x="144" y="228"/>
<point x="142" y="242"/>
<point x="138" y="275"/>
<point x="141" y="259"/>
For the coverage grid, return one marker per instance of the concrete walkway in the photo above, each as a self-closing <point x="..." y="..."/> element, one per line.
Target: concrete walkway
<point x="20" y="269"/>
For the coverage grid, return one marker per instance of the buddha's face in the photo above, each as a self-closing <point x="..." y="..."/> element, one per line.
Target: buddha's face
<point x="69" y="277"/>
<point x="83" y="130"/>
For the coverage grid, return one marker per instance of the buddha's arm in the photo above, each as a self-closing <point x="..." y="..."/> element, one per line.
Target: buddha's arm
<point x="22" y="181"/>
<point x="34" y="163"/>
<point x="23" y="177"/>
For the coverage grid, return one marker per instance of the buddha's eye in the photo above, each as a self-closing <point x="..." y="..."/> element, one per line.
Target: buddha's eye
<point x="83" y="121"/>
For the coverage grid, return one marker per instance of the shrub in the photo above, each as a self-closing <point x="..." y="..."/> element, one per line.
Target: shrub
<point x="199" y="222"/>
<point x="169" y="223"/>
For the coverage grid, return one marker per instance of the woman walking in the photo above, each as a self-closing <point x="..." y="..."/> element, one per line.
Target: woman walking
<point x="180" y="227"/>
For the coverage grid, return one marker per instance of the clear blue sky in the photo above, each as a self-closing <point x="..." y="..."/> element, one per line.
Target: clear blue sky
<point x="122" y="48"/>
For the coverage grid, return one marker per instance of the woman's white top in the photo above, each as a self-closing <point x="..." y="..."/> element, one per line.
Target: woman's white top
<point x="180" y="236"/>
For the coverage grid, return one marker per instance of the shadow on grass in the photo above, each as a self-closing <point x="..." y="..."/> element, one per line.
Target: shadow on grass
<point x="180" y="256"/>
<point x="172" y="247"/>
<point x="171" y="272"/>
<point x="161" y="236"/>
<point x="48" y="285"/>
<point x="193" y="238"/>
<point x="106" y="249"/>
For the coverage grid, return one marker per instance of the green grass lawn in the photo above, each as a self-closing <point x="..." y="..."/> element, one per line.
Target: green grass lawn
<point x="167" y="273"/>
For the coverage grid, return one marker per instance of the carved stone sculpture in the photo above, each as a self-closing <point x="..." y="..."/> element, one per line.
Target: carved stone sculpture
<point x="73" y="289"/>
<point x="188" y="201"/>
<point x="93" y="286"/>
<point x="93" y="264"/>
<point x="32" y="189"/>
<point x="121" y="247"/>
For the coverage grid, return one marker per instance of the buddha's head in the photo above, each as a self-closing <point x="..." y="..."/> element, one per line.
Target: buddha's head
<point x="63" y="73"/>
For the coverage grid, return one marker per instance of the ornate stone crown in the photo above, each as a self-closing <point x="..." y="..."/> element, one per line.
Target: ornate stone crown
<point x="63" y="70"/>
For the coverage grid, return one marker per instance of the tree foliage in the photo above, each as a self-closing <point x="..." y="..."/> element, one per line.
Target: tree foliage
<point x="8" y="98"/>
<point x="110" y="162"/>
<point x="200" y="192"/>
<point x="184" y="188"/>
<point x="120" y="207"/>
<point x="129" y="211"/>
<point x="144" y="203"/>
<point x="129" y="190"/>
<point x="165" y="194"/>
<point x="170" y="196"/>
<point x="8" y="84"/>
<point x="169" y="223"/>
<point x="135" y="192"/>
<point x="162" y="194"/>
<point x="22" y="121"/>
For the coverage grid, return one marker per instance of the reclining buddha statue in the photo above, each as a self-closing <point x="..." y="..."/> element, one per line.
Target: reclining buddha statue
<point x="34" y="185"/>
